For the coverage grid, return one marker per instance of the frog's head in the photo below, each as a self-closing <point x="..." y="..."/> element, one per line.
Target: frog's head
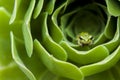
<point x="84" y="38"/>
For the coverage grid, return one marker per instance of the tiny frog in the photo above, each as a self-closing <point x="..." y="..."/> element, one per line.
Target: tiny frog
<point x="84" y="38"/>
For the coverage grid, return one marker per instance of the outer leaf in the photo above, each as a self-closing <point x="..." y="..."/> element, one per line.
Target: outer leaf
<point x="113" y="7"/>
<point x="56" y="66"/>
<point x="4" y="3"/>
<point x="26" y="29"/>
<point x="110" y="27"/>
<point x="54" y="28"/>
<point x="11" y="72"/>
<point x="103" y="65"/>
<point x="49" y="6"/>
<point x="115" y="70"/>
<point x="8" y="68"/>
<point x="5" y="57"/>
<point x="48" y="43"/>
<point x="18" y="60"/>
<point x="16" y="6"/>
<point x="105" y="75"/>
<point x="49" y="76"/>
<point x="111" y="45"/>
<point x="38" y="8"/>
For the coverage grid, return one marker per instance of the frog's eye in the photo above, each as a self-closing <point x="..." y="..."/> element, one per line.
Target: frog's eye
<point x="91" y="38"/>
<point x="80" y="38"/>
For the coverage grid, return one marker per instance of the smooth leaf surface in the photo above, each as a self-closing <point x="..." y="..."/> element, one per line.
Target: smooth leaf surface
<point x="113" y="7"/>
<point x="19" y="61"/>
<point x="38" y="8"/>
<point x="26" y="29"/>
<point x="15" y="10"/>
<point x="58" y="67"/>
<point x="48" y="43"/>
<point x="105" y="64"/>
<point x="39" y="40"/>
<point x="86" y="57"/>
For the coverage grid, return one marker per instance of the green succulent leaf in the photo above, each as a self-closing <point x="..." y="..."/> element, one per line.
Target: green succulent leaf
<point x="51" y="46"/>
<point x="26" y="29"/>
<point x="8" y="68"/>
<point x="59" y="40"/>
<point x="4" y="36"/>
<point x="61" y="68"/>
<point x="86" y="57"/>
<point x="38" y="8"/>
<point x="104" y="64"/>
<point x="111" y="45"/>
<point x="16" y="6"/>
<point x="113" y="7"/>
<point x="18" y="60"/>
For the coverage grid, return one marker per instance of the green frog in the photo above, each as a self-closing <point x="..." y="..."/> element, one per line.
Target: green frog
<point x="84" y="38"/>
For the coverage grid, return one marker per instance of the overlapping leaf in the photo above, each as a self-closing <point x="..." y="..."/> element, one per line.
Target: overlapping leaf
<point x="38" y="40"/>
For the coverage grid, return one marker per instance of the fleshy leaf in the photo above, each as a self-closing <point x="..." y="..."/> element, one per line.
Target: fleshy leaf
<point x="56" y="66"/>
<point x="105" y="75"/>
<point x="111" y="45"/>
<point x="48" y="43"/>
<point x="57" y="56"/>
<point x="86" y="57"/>
<point x="101" y="39"/>
<point x="54" y="26"/>
<point x="12" y="72"/>
<point x="64" y="21"/>
<point x="113" y="7"/>
<point x="110" y="27"/>
<point x="108" y="32"/>
<point x="115" y="70"/>
<point x="4" y="3"/>
<point x="103" y="65"/>
<point x="26" y="29"/>
<point x="8" y="68"/>
<point x="49" y="6"/>
<point x="55" y="49"/>
<point x="18" y="60"/>
<point x="48" y="76"/>
<point x="5" y="57"/>
<point x="16" y="6"/>
<point x="38" y="8"/>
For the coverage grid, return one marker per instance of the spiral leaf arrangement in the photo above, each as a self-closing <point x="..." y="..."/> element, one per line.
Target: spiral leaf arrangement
<point x="59" y="40"/>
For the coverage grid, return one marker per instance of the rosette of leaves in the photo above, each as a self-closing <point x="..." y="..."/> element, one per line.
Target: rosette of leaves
<point x="38" y="40"/>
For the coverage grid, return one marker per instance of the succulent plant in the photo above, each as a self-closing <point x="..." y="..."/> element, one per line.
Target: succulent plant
<point x="59" y="40"/>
